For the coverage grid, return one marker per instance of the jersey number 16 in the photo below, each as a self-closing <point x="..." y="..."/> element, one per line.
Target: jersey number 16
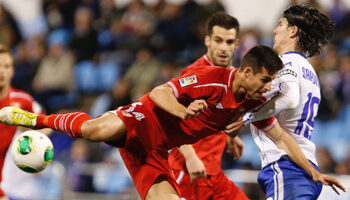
<point x="305" y="116"/>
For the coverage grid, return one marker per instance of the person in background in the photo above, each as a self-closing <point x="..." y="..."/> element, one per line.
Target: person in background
<point x="10" y="96"/>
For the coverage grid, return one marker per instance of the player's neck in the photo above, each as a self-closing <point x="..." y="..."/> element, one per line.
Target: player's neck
<point x="4" y="91"/>
<point x="287" y="47"/>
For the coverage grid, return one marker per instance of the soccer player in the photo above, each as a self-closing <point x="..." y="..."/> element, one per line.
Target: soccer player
<point x="197" y="167"/>
<point x="184" y="110"/>
<point x="10" y="96"/>
<point x="301" y="33"/>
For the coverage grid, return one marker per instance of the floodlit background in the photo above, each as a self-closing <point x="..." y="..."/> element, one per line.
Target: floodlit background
<point x="96" y="55"/>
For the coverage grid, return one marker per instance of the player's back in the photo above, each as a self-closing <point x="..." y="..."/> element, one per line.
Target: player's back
<point x="299" y="119"/>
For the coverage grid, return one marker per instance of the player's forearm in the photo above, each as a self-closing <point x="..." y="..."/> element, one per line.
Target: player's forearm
<point x="285" y="142"/>
<point x="187" y="151"/>
<point x="164" y="97"/>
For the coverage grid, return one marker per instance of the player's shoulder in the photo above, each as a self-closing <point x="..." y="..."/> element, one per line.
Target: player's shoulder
<point x="20" y="94"/>
<point x="294" y="59"/>
<point x="293" y="64"/>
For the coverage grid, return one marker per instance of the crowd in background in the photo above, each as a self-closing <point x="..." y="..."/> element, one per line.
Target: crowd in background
<point x="93" y="56"/>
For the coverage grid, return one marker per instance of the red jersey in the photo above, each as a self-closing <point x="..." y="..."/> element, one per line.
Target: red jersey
<point x="19" y="99"/>
<point x="211" y="157"/>
<point x="212" y="84"/>
<point x="151" y="131"/>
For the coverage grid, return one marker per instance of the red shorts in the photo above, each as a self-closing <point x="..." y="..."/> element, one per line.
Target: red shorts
<point x="144" y="153"/>
<point x="212" y="187"/>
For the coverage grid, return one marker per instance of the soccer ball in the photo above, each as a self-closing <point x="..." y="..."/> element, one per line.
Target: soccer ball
<point x="32" y="151"/>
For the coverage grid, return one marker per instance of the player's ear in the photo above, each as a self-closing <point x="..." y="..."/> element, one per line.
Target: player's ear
<point x="207" y="40"/>
<point x="248" y="72"/>
<point x="293" y="31"/>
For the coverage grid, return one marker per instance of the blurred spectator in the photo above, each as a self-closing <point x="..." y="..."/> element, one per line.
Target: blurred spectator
<point x="139" y="22"/>
<point x="9" y="33"/>
<point x="344" y="69"/>
<point x="79" y="168"/>
<point x="55" y="72"/>
<point x="326" y="66"/>
<point x="325" y="160"/>
<point x="142" y="73"/>
<point x="28" y="56"/>
<point x="84" y="43"/>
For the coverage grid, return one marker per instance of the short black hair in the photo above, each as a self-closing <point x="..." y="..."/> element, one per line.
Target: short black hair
<point x="314" y="28"/>
<point x="262" y="56"/>
<point x="222" y="19"/>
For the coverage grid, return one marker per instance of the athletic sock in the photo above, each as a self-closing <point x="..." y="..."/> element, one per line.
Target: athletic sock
<point x="70" y="123"/>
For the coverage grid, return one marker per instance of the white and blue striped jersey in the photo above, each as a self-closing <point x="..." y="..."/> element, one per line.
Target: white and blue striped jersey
<point x="294" y="100"/>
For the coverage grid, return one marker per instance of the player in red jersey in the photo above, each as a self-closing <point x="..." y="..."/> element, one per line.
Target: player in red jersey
<point x="10" y="97"/>
<point x="182" y="111"/>
<point x="197" y="167"/>
<point x="195" y="105"/>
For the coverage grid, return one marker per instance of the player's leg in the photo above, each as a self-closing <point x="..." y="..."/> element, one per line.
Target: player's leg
<point x="160" y="190"/>
<point x="285" y="180"/>
<point x="107" y="128"/>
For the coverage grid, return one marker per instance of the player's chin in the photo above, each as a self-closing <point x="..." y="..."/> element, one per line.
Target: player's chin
<point x="257" y="95"/>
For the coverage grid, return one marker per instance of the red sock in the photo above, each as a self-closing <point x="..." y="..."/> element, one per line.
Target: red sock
<point x="69" y="124"/>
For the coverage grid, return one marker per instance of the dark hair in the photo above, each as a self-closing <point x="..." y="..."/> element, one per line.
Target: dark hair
<point x="314" y="28"/>
<point x="260" y="57"/>
<point x="5" y="50"/>
<point x="222" y="19"/>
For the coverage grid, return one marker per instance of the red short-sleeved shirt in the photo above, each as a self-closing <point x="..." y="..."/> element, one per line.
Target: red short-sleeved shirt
<point x="149" y="127"/>
<point x="20" y="99"/>
<point x="211" y="157"/>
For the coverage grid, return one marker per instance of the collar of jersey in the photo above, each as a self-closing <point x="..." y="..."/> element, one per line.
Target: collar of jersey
<point x="296" y="52"/>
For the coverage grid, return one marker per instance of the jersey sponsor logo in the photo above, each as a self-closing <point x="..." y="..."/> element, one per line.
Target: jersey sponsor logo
<point x="285" y="72"/>
<point x="188" y="80"/>
<point x="219" y="106"/>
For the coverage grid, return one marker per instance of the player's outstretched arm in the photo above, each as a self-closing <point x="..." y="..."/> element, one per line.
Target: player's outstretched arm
<point x="285" y="142"/>
<point x="164" y="97"/>
<point x="194" y="165"/>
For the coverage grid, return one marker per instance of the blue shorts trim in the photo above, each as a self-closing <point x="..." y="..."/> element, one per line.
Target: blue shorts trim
<point x="284" y="180"/>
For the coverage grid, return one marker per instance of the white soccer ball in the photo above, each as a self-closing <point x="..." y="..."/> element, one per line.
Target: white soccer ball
<point x="32" y="151"/>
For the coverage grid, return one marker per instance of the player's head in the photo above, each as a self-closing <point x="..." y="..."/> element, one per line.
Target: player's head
<point x="6" y="66"/>
<point x="305" y="28"/>
<point x="222" y="38"/>
<point x="258" y="67"/>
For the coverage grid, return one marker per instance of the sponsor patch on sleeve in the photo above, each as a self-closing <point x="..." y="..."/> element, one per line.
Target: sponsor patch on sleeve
<point x="286" y="72"/>
<point x="188" y="80"/>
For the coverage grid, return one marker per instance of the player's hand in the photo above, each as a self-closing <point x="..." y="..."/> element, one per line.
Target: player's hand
<point x="195" y="168"/>
<point x="195" y="108"/>
<point x="234" y="126"/>
<point x="235" y="147"/>
<point x="329" y="181"/>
